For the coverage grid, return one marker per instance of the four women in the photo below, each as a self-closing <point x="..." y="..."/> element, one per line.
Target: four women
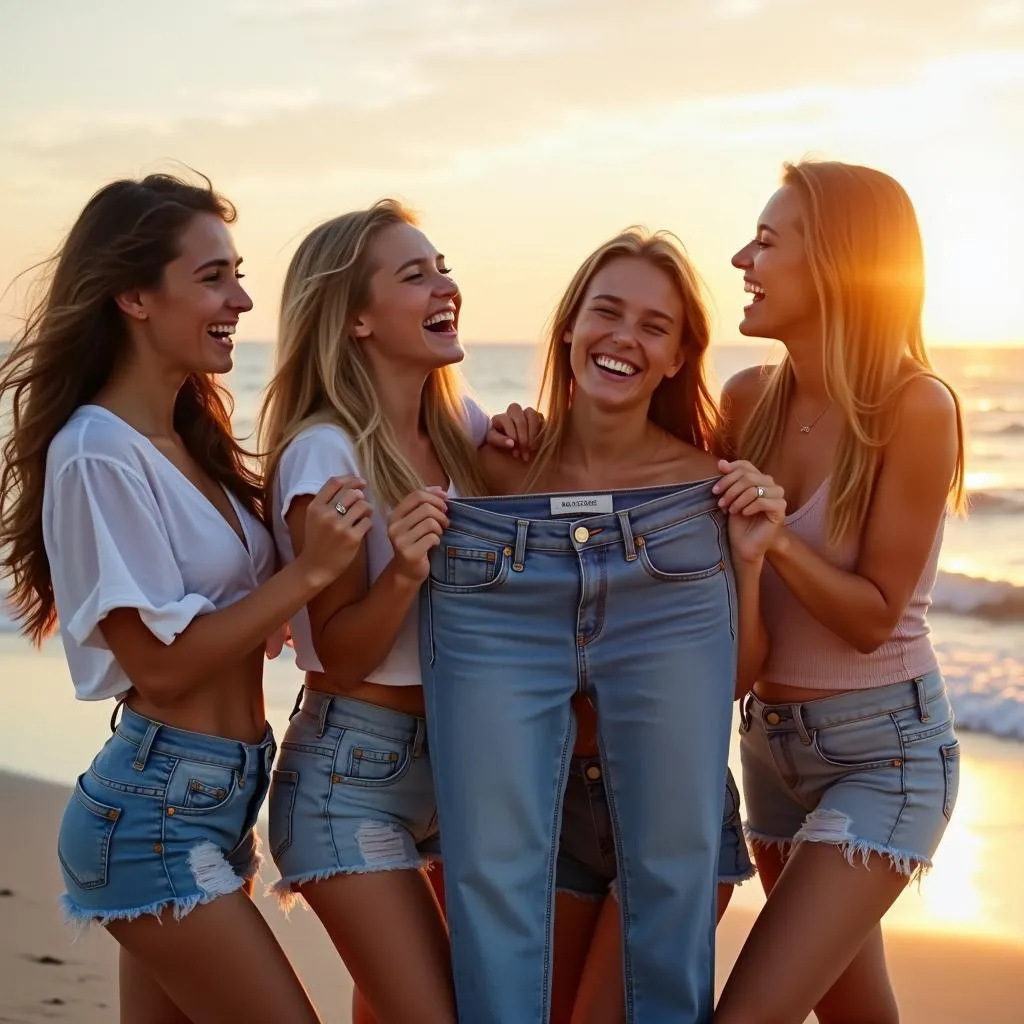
<point x="849" y="758"/>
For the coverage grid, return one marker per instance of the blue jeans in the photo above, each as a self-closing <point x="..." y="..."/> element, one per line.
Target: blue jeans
<point x="634" y="605"/>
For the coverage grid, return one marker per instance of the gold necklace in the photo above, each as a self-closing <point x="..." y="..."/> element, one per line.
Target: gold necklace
<point x="806" y="428"/>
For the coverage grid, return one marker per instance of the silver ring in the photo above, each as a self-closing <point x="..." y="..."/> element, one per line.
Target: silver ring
<point x="760" y="492"/>
<point x="340" y="509"/>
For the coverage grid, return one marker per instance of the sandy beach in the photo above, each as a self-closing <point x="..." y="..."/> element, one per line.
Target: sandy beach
<point x="48" y="974"/>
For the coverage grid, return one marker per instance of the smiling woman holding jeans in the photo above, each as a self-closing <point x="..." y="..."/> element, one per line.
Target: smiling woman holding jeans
<point x="639" y="597"/>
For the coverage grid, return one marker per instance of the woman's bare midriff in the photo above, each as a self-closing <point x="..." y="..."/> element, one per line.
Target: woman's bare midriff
<point x="230" y="704"/>
<point x="406" y="699"/>
<point x="780" y="693"/>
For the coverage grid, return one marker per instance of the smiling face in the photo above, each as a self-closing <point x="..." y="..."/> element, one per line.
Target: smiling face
<point x="188" y="319"/>
<point x="626" y="335"/>
<point x="777" y="275"/>
<point x="413" y="313"/>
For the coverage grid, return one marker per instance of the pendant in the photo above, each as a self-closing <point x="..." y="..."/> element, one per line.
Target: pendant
<point x="804" y="430"/>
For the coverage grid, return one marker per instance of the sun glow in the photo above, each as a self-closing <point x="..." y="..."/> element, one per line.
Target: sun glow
<point x="972" y="231"/>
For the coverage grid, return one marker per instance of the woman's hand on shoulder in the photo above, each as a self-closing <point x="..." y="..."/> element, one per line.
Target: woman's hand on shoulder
<point x="517" y="431"/>
<point x="755" y="505"/>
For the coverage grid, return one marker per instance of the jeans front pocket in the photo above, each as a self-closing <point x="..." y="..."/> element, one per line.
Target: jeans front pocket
<point x="685" y="552"/>
<point x="83" y="844"/>
<point x="283" y="786"/>
<point x="199" y="787"/>
<point x="468" y="565"/>
<point x="366" y="759"/>
<point x="865" y="744"/>
<point x="951" y="776"/>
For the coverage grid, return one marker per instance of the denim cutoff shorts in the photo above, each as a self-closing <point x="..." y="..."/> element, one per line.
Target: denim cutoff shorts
<point x="586" y="852"/>
<point x="163" y="819"/>
<point x="352" y="792"/>
<point x="871" y="771"/>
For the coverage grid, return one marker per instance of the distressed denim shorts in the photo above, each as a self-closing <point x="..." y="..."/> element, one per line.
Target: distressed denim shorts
<point x="586" y="853"/>
<point x="870" y="771"/>
<point x="352" y="792"/>
<point x="164" y="818"/>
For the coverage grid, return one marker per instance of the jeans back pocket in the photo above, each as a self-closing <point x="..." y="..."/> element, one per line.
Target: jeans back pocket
<point x="83" y="844"/>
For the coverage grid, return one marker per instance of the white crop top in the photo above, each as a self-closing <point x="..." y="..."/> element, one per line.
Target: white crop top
<point x="124" y="528"/>
<point x="311" y="458"/>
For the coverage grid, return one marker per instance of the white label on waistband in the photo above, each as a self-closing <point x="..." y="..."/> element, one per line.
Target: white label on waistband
<point x="581" y="505"/>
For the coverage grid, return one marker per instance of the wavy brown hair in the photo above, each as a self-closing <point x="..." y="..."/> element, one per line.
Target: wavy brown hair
<point x="683" y="405"/>
<point x="321" y="374"/>
<point x="866" y="258"/>
<point x="67" y="350"/>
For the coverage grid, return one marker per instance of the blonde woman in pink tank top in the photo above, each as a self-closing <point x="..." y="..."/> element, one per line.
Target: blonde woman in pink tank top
<point x="850" y="760"/>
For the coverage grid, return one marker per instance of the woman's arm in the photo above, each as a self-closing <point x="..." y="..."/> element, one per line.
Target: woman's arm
<point x="862" y="607"/>
<point x="752" y="637"/>
<point x="756" y="514"/>
<point x="165" y="673"/>
<point x="354" y="624"/>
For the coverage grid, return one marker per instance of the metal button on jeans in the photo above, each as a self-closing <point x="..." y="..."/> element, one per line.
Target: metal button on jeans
<point x="581" y="534"/>
<point x="593" y="773"/>
<point x="772" y="718"/>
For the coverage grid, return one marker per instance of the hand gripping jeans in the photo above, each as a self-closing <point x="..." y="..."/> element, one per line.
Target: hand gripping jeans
<point x="628" y="596"/>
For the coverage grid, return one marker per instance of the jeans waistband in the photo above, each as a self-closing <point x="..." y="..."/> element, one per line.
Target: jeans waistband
<point x="852" y="706"/>
<point x="529" y="522"/>
<point x="150" y="736"/>
<point x="334" y="711"/>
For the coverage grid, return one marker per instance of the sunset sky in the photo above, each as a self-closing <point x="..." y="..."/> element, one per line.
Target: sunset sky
<point x="525" y="131"/>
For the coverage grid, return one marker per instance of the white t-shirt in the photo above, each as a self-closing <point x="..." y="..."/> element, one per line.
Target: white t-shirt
<point x="308" y="461"/>
<point x="124" y="528"/>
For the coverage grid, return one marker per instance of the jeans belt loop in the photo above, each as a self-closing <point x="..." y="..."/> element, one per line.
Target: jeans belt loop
<point x="797" y="712"/>
<point x="922" y="698"/>
<point x="142" y="754"/>
<point x="627" y="536"/>
<point x="519" y="554"/>
<point x="325" y="709"/>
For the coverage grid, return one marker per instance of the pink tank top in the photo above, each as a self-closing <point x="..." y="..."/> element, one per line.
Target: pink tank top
<point x="803" y="652"/>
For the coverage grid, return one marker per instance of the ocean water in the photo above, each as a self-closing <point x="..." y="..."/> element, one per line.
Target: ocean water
<point x="978" y="612"/>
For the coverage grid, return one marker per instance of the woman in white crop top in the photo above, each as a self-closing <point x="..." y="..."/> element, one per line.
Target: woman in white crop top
<point x="129" y="518"/>
<point x="365" y="384"/>
<point x="850" y="759"/>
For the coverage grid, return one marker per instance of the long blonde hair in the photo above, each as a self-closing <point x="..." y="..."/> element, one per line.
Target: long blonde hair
<point x="864" y="250"/>
<point x="681" y="405"/>
<point x="322" y="375"/>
